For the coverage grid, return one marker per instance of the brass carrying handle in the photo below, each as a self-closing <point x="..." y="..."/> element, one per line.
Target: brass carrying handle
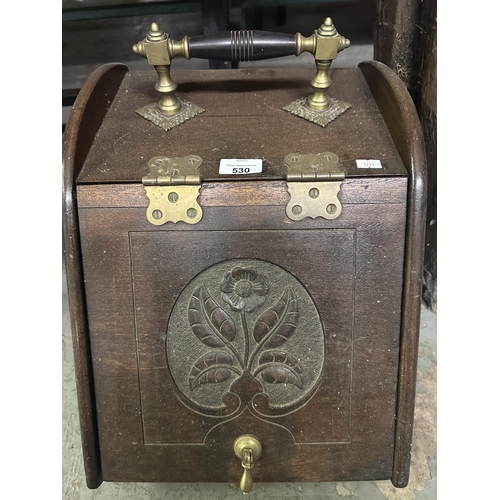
<point x="249" y="45"/>
<point x="159" y="49"/>
<point x="248" y="449"/>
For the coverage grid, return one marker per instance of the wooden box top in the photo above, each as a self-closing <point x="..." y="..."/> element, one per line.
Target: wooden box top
<point x="244" y="119"/>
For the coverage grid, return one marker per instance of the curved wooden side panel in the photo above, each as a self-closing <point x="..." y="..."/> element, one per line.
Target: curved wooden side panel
<point x="403" y="123"/>
<point x="86" y="117"/>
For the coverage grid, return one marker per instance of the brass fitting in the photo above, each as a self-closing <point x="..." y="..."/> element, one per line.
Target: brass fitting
<point x="159" y="49"/>
<point x="324" y="44"/>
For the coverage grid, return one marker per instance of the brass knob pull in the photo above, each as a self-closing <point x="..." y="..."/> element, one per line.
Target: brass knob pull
<point x="248" y="449"/>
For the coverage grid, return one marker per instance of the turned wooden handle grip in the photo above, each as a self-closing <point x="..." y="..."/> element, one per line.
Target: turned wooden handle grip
<point x="242" y="45"/>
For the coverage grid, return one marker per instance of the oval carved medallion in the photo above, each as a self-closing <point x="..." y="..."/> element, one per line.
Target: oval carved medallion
<point x="245" y="333"/>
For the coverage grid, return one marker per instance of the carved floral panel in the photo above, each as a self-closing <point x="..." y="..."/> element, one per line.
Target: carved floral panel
<point x="245" y="333"/>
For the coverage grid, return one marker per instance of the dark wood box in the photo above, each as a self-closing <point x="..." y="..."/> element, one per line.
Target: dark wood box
<point x="303" y="333"/>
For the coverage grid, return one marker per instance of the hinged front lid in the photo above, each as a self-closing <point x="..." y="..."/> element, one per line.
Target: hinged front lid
<point x="243" y="119"/>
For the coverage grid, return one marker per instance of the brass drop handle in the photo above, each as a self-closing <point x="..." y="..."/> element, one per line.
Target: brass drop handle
<point x="248" y="449"/>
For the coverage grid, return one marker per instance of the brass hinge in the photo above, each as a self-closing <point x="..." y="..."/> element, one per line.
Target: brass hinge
<point x="172" y="188"/>
<point x="313" y="181"/>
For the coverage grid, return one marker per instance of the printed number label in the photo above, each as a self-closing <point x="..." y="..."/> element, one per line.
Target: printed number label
<point x="240" y="166"/>
<point x="368" y="164"/>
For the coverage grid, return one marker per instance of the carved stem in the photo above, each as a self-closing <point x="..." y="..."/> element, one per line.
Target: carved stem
<point x="236" y="353"/>
<point x="247" y="338"/>
<point x="266" y="338"/>
<point x="225" y="342"/>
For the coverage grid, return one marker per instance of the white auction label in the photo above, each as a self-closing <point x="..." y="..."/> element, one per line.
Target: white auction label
<point x="243" y="166"/>
<point x="368" y="164"/>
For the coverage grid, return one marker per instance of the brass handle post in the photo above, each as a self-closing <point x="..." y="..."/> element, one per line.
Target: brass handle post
<point x="325" y="45"/>
<point x="318" y="107"/>
<point x="157" y="47"/>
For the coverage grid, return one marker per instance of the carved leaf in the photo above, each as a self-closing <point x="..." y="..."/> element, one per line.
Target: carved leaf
<point x="280" y="357"/>
<point x="209" y="322"/>
<point x="281" y="375"/>
<point x="276" y="325"/>
<point x="211" y="368"/>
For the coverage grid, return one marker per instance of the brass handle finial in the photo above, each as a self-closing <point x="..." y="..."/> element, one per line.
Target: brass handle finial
<point x="248" y="449"/>
<point x="156" y="34"/>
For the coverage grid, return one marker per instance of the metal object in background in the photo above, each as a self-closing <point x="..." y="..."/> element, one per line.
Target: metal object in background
<point x="79" y="11"/>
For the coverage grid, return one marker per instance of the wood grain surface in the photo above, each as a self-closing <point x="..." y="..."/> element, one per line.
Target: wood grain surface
<point x="243" y="118"/>
<point x="402" y="120"/>
<point x="134" y="273"/>
<point x="86" y="117"/>
<point x="376" y="190"/>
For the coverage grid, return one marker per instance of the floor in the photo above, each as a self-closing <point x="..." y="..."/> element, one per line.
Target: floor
<point x="77" y="65"/>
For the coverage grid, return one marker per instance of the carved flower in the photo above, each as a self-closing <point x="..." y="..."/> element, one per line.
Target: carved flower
<point x="244" y="289"/>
